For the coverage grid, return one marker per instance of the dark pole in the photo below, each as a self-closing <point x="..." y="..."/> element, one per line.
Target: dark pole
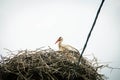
<point x="90" y="31"/>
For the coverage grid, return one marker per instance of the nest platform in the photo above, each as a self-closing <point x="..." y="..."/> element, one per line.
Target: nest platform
<point x="47" y="65"/>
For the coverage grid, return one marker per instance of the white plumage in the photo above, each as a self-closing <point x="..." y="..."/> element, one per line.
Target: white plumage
<point x="64" y="47"/>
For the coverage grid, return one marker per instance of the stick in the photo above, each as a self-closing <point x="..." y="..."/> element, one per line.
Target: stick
<point x="90" y="31"/>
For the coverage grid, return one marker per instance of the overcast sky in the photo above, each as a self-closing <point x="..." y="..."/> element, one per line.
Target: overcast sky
<point x="31" y="24"/>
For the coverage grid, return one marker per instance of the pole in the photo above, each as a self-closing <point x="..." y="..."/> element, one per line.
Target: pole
<point x="85" y="45"/>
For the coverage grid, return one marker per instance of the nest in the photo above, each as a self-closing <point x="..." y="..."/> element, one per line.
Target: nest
<point x="47" y="65"/>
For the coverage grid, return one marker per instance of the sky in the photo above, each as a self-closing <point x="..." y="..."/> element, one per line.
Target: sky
<point x="31" y="24"/>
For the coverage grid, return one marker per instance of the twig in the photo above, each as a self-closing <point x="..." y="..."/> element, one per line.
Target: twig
<point x="90" y="31"/>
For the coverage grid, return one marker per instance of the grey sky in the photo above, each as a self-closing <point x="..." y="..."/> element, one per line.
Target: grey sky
<point x="35" y="23"/>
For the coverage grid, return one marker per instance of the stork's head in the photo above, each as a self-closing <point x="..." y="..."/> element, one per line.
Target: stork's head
<point x="60" y="39"/>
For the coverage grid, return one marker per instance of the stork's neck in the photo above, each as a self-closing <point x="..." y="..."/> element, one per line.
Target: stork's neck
<point x="60" y="46"/>
<point x="60" y="43"/>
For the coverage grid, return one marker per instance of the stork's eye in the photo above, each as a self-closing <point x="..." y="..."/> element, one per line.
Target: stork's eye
<point x="59" y="38"/>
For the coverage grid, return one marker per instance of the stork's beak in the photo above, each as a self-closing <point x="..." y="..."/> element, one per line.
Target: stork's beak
<point x="57" y="41"/>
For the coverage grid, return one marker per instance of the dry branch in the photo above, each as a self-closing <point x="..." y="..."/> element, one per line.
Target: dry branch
<point x="47" y="65"/>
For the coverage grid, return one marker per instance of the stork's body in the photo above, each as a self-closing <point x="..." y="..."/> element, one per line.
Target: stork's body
<point x="64" y="47"/>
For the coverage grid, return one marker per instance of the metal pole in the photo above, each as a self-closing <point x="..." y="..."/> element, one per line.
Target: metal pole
<point x="90" y="31"/>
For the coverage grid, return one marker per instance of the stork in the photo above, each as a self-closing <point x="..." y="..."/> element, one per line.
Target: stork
<point x="64" y="47"/>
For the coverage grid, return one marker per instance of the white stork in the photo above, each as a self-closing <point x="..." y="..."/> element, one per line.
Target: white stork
<point x="64" y="47"/>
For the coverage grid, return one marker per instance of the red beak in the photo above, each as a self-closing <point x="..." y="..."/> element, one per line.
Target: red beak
<point x="57" y="41"/>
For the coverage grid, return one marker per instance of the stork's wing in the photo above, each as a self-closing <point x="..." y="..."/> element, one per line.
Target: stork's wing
<point x="71" y="48"/>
